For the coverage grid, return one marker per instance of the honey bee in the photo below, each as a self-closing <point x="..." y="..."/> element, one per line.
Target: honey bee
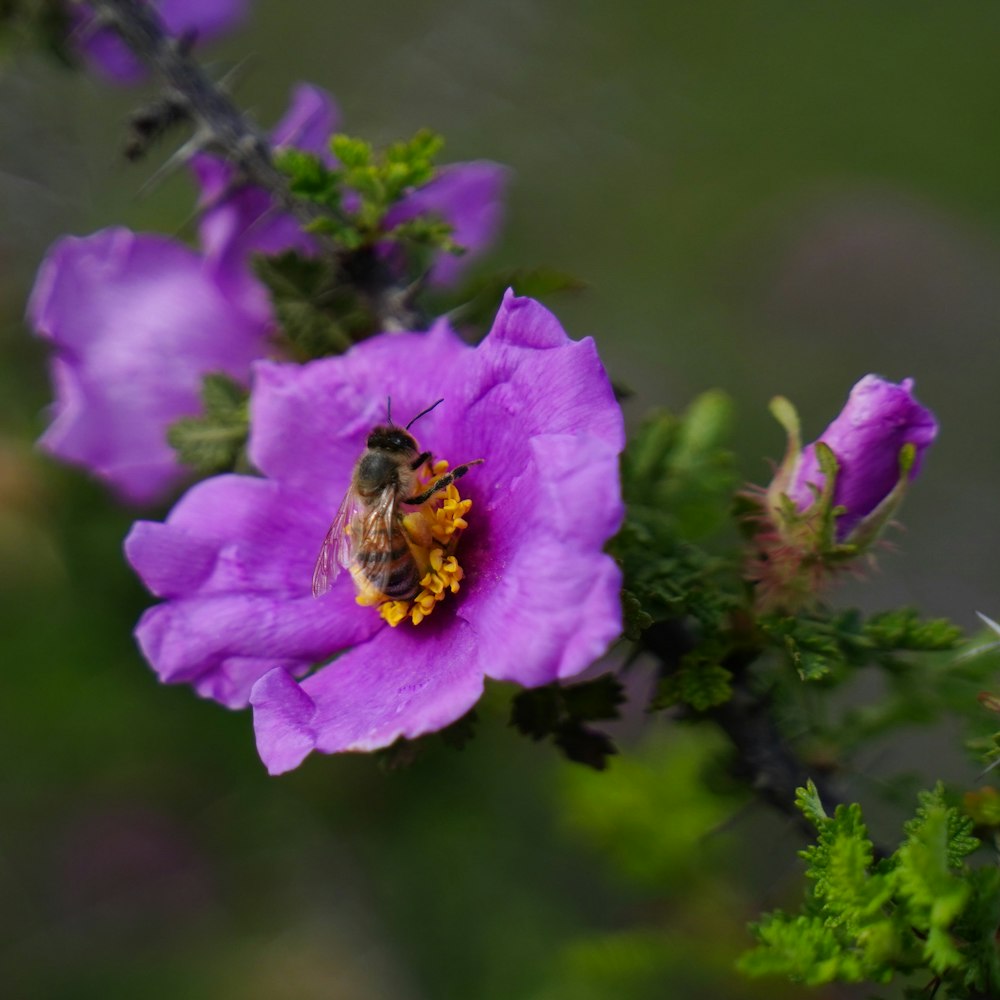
<point x="367" y="535"/>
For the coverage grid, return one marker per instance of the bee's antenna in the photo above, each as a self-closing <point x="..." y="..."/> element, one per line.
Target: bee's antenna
<point x="388" y="409"/>
<point x="423" y="413"/>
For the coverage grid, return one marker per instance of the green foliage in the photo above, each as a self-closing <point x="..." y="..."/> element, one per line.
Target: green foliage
<point x="920" y="911"/>
<point x="355" y="287"/>
<point x="700" y="681"/>
<point x="561" y="712"/>
<point x="817" y="645"/>
<point x="825" y="644"/>
<point x="828" y="649"/>
<point x="903" y="629"/>
<point x="318" y="312"/>
<point x="681" y="468"/>
<point x="678" y="480"/>
<point x="215" y="441"/>
<point x="356" y="195"/>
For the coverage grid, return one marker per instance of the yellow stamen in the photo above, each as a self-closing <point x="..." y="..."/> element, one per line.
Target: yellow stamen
<point x="433" y="532"/>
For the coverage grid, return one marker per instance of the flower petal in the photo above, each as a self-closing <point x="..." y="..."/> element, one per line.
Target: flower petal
<point x="136" y="321"/>
<point x="222" y="643"/>
<point x="542" y="596"/>
<point x="236" y="555"/>
<point x="403" y="683"/>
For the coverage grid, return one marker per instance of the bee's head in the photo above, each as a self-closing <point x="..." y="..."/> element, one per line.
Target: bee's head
<point x="389" y="437"/>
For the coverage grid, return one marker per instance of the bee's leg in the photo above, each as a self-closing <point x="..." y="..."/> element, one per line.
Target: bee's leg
<point x="443" y="483"/>
<point x="424" y="456"/>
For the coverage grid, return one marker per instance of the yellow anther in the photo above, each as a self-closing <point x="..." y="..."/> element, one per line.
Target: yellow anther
<point x="432" y="532"/>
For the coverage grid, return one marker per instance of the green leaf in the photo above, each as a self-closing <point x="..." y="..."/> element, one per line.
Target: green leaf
<point x="594" y="700"/>
<point x="215" y="441"/>
<point x="353" y="154"/>
<point x="560" y="711"/>
<point x="700" y="682"/>
<point x="635" y="620"/>
<point x="808" y="802"/>
<point x="583" y="745"/>
<point x="920" y="910"/>
<point x="536" y="712"/>
<point x="905" y="630"/>
<point x="317" y="312"/>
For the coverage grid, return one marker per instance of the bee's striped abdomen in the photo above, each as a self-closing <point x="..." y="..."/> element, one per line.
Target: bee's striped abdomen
<point x="386" y="562"/>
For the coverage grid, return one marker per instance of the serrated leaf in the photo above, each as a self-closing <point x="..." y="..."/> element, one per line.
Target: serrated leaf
<point x="536" y="712"/>
<point x="585" y="746"/>
<point x="808" y="802"/>
<point x="560" y="712"/>
<point x="634" y="619"/>
<point x="215" y="441"/>
<point x="904" y="629"/>
<point x="699" y="682"/>
<point x="594" y="700"/>
<point x="920" y="909"/>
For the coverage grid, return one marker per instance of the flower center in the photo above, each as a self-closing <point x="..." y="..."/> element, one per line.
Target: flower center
<point x="432" y="534"/>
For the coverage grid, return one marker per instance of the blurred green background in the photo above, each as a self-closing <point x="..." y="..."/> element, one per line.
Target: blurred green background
<point x="769" y="197"/>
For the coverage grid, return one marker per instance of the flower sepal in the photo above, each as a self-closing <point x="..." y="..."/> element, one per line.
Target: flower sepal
<point x="796" y="548"/>
<point x="803" y="537"/>
<point x="867" y="531"/>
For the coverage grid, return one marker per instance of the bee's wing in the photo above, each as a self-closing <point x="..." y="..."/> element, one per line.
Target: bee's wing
<point x="336" y="552"/>
<point x="378" y="534"/>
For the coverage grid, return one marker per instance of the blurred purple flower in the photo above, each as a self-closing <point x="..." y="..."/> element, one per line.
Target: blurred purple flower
<point x="135" y="320"/>
<point x="866" y="438"/>
<point x="109" y="56"/>
<point x="240" y="221"/>
<point x="540" y="599"/>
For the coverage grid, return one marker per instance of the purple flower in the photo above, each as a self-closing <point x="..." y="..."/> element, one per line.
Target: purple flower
<point x="238" y="222"/>
<point x="539" y="600"/>
<point x="866" y="438"/>
<point x="135" y="321"/>
<point x="109" y="56"/>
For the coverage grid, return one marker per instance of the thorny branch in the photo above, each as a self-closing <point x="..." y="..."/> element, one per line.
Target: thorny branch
<point x="222" y="128"/>
<point x="220" y="125"/>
